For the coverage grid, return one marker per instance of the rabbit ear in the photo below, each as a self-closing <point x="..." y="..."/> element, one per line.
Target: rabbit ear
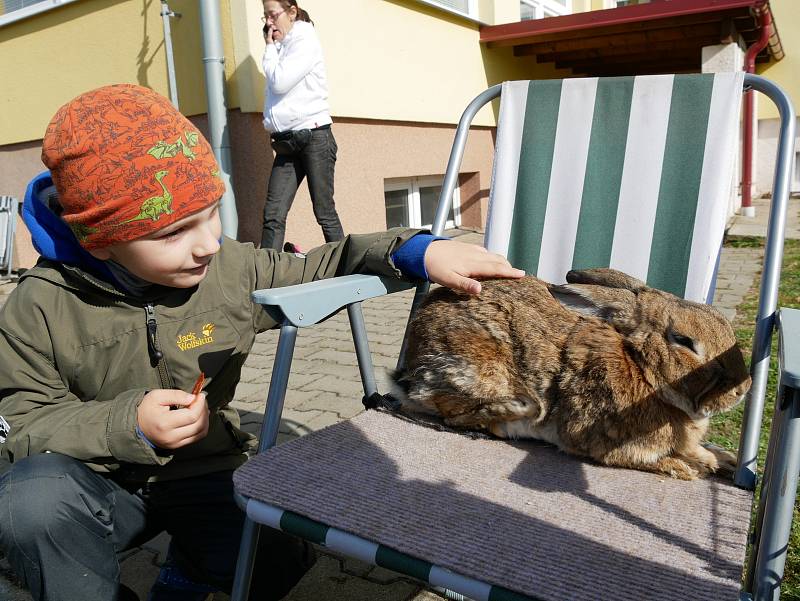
<point x="610" y="278"/>
<point x="608" y="304"/>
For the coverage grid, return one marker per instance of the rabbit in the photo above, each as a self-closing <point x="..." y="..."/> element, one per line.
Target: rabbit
<point x="603" y="367"/>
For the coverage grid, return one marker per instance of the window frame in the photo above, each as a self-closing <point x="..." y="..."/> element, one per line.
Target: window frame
<point x="412" y="186"/>
<point x="472" y="8"/>
<point x="29" y="11"/>
<point x="546" y="8"/>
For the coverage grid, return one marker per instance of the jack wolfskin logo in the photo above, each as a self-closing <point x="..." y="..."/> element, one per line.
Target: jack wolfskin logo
<point x="192" y="340"/>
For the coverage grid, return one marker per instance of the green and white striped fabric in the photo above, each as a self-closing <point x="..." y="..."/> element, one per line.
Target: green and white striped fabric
<point x="378" y="555"/>
<point x="633" y="173"/>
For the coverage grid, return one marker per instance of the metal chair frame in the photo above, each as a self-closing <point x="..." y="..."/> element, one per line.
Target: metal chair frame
<point x="307" y="304"/>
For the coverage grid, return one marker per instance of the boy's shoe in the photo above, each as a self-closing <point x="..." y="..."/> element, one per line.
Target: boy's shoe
<point x="172" y="585"/>
<point x="126" y="594"/>
<point x="289" y="247"/>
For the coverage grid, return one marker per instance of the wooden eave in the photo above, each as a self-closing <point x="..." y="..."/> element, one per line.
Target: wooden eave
<point x="662" y="36"/>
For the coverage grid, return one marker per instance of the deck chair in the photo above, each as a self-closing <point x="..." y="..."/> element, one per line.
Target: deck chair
<point x="626" y="172"/>
<point x="8" y="225"/>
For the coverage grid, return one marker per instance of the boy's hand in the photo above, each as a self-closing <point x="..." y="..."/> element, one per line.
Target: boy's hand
<point x="455" y="264"/>
<point x="169" y="429"/>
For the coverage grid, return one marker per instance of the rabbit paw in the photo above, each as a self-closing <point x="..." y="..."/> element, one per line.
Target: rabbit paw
<point x="710" y="459"/>
<point x="677" y="468"/>
<point x="726" y="460"/>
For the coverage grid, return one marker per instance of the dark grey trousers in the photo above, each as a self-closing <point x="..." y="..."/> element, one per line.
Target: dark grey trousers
<point x="62" y="525"/>
<point x="316" y="162"/>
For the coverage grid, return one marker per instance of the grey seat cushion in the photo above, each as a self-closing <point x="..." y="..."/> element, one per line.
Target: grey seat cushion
<point x="520" y="515"/>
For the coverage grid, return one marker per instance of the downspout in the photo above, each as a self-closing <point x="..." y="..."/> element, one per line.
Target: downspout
<point x="166" y="13"/>
<point x="764" y="20"/>
<point x="214" y="62"/>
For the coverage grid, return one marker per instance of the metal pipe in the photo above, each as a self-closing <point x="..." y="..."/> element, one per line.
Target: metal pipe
<point x="457" y="154"/>
<point x="269" y="436"/>
<point x="764" y="20"/>
<point x="770" y="276"/>
<point x="166" y="13"/>
<point x="214" y="63"/>
<point x="361" y="343"/>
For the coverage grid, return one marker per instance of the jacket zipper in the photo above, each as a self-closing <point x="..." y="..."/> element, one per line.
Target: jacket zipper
<point x="153" y="347"/>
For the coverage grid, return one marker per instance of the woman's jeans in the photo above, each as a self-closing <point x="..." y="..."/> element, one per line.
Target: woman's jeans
<point x="316" y="162"/>
<point x="62" y="526"/>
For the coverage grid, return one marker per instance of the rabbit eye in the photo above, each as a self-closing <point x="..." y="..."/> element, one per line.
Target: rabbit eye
<point x="682" y="340"/>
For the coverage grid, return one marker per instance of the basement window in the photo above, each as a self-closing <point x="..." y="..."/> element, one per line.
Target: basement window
<point x="412" y="202"/>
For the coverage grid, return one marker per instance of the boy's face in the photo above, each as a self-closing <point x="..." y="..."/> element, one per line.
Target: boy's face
<point x="177" y="256"/>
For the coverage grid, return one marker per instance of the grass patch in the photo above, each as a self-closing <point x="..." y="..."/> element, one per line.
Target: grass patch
<point x="724" y="429"/>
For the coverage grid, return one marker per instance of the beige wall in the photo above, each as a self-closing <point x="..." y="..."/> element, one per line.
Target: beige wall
<point x="58" y="54"/>
<point x="784" y="72"/>
<point x="494" y="12"/>
<point x="389" y="59"/>
<point x="50" y="58"/>
<point x="420" y="64"/>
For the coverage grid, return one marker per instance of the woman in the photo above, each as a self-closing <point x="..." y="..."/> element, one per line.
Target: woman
<point x="297" y="115"/>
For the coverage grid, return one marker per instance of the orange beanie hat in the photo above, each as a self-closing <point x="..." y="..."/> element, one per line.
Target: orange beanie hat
<point x="126" y="163"/>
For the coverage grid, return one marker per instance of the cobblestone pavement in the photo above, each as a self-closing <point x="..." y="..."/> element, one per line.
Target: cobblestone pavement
<point x="325" y="387"/>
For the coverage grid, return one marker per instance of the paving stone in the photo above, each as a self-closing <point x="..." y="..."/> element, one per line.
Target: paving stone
<point x="326" y="582"/>
<point x="336" y="385"/>
<point x="254" y="374"/>
<point x="343" y="406"/>
<point x="323" y="420"/>
<point x="340" y="357"/>
<point x="247" y="392"/>
<point x="296" y="422"/>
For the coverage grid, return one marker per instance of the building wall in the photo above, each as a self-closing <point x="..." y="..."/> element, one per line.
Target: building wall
<point x="54" y="56"/>
<point x="784" y="72"/>
<point x="369" y="153"/>
<point x="400" y="72"/>
<point x="398" y="60"/>
<point x="19" y="163"/>
<point x="764" y="169"/>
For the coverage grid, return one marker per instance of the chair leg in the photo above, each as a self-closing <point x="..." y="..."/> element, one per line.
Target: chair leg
<point x="758" y="523"/>
<point x="269" y="435"/>
<point x="361" y="343"/>
<point x="781" y="494"/>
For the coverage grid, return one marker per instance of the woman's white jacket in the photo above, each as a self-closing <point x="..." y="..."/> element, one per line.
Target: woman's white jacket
<point x="296" y="95"/>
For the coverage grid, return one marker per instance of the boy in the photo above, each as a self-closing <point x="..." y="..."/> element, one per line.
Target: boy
<point x="103" y="339"/>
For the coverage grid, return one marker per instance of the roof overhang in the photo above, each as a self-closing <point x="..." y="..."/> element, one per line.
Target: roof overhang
<point x="662" y="36"/>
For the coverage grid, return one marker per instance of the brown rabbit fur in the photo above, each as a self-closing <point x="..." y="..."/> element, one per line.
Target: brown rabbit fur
<point x="603" y="367"/>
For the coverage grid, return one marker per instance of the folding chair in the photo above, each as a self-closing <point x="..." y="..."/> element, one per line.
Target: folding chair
<point x="8" y="225"/>
<point x="632" y="173"/>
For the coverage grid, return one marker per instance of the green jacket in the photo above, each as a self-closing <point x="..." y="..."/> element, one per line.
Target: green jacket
<point x="77" y="354"/>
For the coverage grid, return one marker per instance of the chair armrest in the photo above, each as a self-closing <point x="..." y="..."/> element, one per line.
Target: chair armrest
<point x="306" y="304"/>
<point x="789" y="349"/>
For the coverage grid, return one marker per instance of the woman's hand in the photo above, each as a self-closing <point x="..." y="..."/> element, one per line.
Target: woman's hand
<point x="455" y="264"/>
<point x="268" y="32"/>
